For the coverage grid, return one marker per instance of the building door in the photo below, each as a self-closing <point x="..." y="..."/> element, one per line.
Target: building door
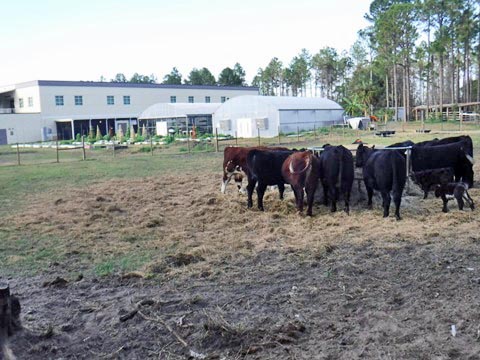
<point x="3" y="137"/>
<point x="245" y="128"/>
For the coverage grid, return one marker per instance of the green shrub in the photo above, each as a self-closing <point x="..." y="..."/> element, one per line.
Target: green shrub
<point x="144" y="149"/>
<point x="183" y="149"/>
<point x="203" y="147"/>
<point x="78" y="138"/>
<point x="169" y="139"/>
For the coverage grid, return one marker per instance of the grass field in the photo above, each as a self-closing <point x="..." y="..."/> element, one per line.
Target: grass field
<point x="28" y="191"/>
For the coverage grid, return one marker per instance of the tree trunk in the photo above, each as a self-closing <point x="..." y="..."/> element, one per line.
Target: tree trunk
<point x="395" y="92"/>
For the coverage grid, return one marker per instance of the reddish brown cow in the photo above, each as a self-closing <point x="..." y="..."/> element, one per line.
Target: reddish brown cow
<point x="302" y="170"/>
<point x="235" y="164"/>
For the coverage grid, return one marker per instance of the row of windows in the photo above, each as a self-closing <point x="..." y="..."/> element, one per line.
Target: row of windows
<point x="78" y="100"/>
<point x="21" y="103"/>
<point x="191" y="99"/>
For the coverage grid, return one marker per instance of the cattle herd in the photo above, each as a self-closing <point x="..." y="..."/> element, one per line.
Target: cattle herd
<point x="444" y="166"/>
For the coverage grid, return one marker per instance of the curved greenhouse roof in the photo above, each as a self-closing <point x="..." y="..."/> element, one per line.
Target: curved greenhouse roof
<point x="177" y="110"/>
<point x="286" y="102"/>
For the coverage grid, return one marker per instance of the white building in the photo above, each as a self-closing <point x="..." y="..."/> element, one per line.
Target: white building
<point x="246" y="116"/>
<point x="41" y="109"/>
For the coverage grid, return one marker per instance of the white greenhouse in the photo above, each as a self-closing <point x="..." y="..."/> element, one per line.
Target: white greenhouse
<point x="162" y="117"/>
<point x="249" y="116"/>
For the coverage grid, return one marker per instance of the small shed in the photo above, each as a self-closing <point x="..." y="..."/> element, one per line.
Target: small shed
<point x="247" y="116"/>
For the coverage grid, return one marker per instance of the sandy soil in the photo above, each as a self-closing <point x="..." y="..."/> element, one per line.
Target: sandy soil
<point x="222" y="281"/>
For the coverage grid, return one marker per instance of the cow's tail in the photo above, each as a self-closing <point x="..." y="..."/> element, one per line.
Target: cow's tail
<point x="308" y="163"/>
<point x="340" y="172"/>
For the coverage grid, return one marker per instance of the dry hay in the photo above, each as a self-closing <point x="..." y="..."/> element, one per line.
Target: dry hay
<point x="187" y="216"/>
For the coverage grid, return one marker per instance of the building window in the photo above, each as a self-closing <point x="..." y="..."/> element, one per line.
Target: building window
<point x="30" y="101"/>
<point x="207" y="99"/>
<point x="110" y="100"/>
<point x="191" y="99"/>
<point x="126" y="100"/>
<point x="78" y="100"/>
<point x="222" y="99"/>
<point x="20" y="103"/>
<point x="59" y="100"/>
<point x="173" y="99"/>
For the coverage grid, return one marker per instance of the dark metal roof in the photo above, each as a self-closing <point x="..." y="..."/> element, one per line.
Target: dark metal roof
<point x="131" y="85"/>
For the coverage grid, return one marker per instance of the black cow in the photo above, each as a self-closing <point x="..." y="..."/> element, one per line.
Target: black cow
<point x="385" y="171"/>
<point x="402" y="144"/>
<point x="464" y="139"/>
<point x="427" y="142"/>
<point x="265" y="168"/>
<point x="337" y="173"/>
<point x="453" y="155"/>
<point x="458" y="191"/>
<point x="426" y="179"/>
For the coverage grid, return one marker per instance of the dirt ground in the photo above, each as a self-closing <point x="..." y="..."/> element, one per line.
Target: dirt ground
<point x="205" y="278"/>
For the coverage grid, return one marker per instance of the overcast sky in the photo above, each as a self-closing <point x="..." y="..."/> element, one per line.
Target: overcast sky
<point x="85" y="39"/>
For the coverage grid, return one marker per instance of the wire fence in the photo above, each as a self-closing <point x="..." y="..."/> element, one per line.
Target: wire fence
<point x="61" y="151"/>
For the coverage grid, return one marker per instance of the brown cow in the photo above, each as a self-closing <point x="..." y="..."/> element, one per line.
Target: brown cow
<point x="301" y="170"/>
<point x="235" y="164"/>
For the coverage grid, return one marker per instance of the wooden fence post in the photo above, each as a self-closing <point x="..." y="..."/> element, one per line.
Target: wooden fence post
<point x="216" y="139"/>
<point x="151" y="145"/>
<point x="58" y="159"/>
<point x="236" y="139"/>
<point x="188" y="137"/>
<point x="18" y="154"/>
<point x="83" y="147"/>
<point x="298" y="134"/>
<point x="4" y="312"/>
<point x="279" y="135"/>
<point x="258" y="131"/>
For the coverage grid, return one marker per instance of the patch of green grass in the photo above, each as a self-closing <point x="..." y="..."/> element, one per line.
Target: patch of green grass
<point x="27" y="255"/>
<point x="122" y="264"/>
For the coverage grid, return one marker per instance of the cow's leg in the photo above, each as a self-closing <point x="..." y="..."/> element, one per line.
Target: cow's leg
<point x="445" y="203"/>
<point x="333" y="198"/>
<point x="250" y="188"/>
<point x="281" y="190"/>
<point x="459" y="201"/>
<point x="468" y="200"/>
<point x="386" y="203"/>
<point x="310" y="197"/>
<point x="325" y="194"/>
<point x="369" y="195"/>
<point x="397" y="199"/>
<point x="300" y="199"/>
<point x="225" y="181"/>
<point x="346" y="195"/>
<point x="238" y="180"/>
<point x="425" y="193"/>
<point x="260" y="193"/>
